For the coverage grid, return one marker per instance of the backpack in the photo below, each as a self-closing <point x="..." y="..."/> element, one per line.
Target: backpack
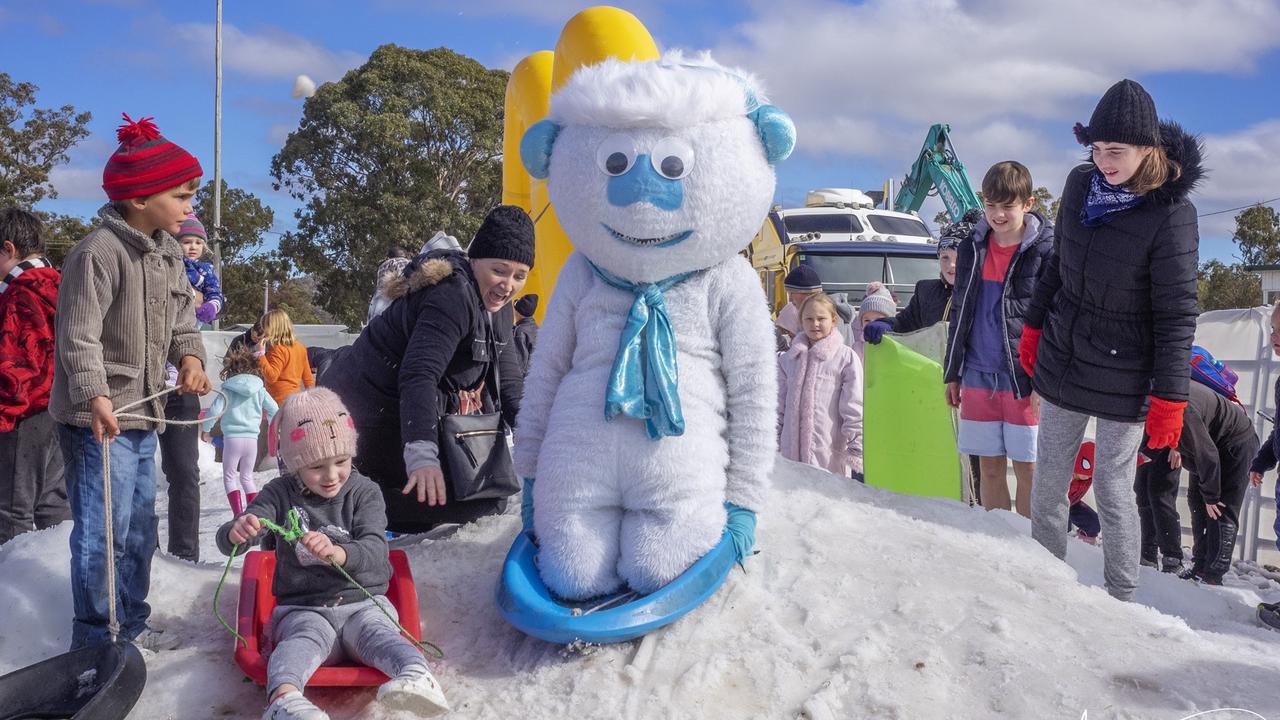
<point x="1214" y="374"/>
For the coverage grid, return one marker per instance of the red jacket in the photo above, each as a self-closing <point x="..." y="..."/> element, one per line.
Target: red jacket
<point x="27" y="305"/>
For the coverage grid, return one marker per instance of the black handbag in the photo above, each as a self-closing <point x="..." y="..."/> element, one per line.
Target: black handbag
<point x="474" y="454"/>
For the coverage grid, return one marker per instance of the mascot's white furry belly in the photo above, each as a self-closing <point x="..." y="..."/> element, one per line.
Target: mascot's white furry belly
<point x="614" y="506"/>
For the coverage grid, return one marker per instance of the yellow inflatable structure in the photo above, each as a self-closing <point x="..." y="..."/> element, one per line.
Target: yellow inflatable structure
<point x="589" y="37"/>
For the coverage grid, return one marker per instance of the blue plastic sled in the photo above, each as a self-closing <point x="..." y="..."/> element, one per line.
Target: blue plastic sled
<point x="526" y="603"/>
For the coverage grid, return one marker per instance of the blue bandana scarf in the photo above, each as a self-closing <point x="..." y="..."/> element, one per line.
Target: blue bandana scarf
<point x="644" y="380"/>
<point x="1104" y="200"/>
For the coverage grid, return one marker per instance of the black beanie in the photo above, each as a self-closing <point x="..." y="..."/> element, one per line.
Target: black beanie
<point x="505" y="234"/>
<point x="527" y="305"/>
<point x="1125" y="114"/>
<point x="803" y="279"/>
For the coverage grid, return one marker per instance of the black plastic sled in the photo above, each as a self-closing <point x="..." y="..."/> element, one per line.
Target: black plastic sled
<point x="102" y="682"/>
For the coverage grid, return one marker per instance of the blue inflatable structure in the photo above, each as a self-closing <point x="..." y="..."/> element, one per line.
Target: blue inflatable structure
<point x="526" y="603"/>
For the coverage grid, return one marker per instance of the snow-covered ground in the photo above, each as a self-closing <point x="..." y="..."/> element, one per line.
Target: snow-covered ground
<point x="861" y="604"/>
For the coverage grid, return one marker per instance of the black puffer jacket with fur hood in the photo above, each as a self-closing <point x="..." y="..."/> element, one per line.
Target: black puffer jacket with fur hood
<point x="432" y="341"/>
<point x="1117" y="303"/>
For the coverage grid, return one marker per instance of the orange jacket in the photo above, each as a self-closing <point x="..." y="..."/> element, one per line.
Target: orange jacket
<point x="286" y="370"/>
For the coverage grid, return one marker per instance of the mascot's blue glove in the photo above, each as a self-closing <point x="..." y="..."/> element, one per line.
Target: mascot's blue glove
<point x="742" y="527"/>
<point x="874" y="332"/>
<point x="526" y="506"/>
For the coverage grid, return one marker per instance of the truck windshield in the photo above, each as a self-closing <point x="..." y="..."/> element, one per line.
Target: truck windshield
<point x="910" y="270"/>
<point x="841" y="271"/>
<point x="822" y="223"/>
<point x="890" y="225"/>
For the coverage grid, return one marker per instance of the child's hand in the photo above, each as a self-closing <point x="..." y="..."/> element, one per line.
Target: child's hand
<point x="191" y="377"/>
<point x="245" y="528"/>
<point x="953" y="394"/>
<point x="103" y="422"/>
<point x="322" y="547"/>
<point x="206" y="312"/>
<point x="1255" y="479"/>
<point x="206" y="437"/>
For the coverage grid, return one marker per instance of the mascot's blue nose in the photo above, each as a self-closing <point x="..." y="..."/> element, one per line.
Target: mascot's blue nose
<point x="643" y="184"/>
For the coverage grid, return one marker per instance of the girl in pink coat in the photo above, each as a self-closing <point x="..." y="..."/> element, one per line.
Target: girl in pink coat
<point x="820" y="394"/>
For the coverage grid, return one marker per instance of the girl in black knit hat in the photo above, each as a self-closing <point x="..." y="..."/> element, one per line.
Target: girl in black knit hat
<point x="1109" y="332"/>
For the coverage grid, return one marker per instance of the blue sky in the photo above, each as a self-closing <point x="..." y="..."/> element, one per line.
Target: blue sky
<point x="862" y="80"/>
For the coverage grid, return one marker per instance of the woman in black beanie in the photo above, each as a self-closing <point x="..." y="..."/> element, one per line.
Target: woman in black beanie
<point x="429" y="351"/>
<point x="1109" y="332"/>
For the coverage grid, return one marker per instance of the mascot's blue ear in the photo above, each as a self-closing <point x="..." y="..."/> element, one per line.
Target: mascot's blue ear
<point x="535" y="147"/>
<point x="777" y="132"/>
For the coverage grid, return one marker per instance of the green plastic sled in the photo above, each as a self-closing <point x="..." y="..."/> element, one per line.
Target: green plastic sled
<point x="909" y="443"/>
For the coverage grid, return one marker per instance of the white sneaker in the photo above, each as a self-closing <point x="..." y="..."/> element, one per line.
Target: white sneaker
<point x="418" y="693"/>
<point x="293" y="706"/>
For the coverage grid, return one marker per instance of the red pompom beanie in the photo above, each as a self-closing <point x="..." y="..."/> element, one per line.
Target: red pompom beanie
<point x="146" y="163"/>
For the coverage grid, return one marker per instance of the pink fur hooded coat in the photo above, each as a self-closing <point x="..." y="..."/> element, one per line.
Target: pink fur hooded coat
<point x="820" y="399"/>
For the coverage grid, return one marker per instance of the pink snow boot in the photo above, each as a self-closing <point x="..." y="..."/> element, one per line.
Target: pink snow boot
<point x="237" y="502"/>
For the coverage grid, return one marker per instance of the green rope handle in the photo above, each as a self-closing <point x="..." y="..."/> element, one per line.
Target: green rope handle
<point x="426" y="647"/>
<point x="234" y="549"/>
<point x="293" y="533"/>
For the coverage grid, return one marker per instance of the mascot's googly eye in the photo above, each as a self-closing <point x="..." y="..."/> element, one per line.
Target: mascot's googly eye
<point x="672" y="157"/>
<point x="616" y="154"/>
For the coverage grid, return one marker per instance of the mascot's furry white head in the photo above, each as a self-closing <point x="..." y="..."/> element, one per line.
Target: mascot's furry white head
<point x="661" y="167"/>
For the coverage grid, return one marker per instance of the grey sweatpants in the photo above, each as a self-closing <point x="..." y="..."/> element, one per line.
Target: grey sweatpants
<point x="1114" y="467"/>
<point x="307" y="637"/>
<point x="33" y="493"/>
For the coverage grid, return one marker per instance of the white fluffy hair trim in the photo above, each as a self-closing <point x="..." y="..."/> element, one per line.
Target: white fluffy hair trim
<point x="672" y="91"/>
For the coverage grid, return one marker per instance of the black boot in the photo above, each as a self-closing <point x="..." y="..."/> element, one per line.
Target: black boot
<point x="1269" y="615"/>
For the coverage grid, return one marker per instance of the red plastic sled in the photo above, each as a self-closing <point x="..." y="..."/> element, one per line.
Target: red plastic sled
<point x="257" y="602"/>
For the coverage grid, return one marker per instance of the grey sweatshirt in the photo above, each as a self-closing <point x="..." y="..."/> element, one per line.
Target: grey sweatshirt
<point x="355" y="519"/>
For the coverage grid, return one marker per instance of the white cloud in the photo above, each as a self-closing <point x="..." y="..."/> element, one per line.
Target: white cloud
<point x="866" y="80"/>
<point x="1244" y="168"/>
<point x="269" y="54"/>
<point x="908" y="58"/>
<point x="77" y="183"/>
<point x="555" y="12"/>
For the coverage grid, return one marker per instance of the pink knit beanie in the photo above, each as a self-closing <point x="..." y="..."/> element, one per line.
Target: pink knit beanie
<point x="314" y="426"/>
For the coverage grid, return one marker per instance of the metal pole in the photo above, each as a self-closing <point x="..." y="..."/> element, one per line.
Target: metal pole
<point x="266" y="294"/>
<point x="217" y="145"/>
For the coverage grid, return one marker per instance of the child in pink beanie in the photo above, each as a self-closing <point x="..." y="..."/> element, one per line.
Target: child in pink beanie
<point x="320" y="614"/>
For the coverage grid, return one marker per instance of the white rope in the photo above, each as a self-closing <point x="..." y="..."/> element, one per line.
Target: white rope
<point x="113" y="623"/>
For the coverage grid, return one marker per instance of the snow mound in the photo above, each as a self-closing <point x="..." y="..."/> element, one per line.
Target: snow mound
<point x="861" y="604"/>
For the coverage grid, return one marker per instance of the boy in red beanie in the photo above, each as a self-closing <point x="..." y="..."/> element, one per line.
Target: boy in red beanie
<point x="125" y="309"/>
<point x="32" y="493"/>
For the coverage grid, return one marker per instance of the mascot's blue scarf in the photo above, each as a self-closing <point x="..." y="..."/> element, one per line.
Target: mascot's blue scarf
<point x="1104" y="200"/>
<point x="645" y="379"/>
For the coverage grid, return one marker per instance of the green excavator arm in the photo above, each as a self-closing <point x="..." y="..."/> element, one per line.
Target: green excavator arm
<point x="937" y="167"/>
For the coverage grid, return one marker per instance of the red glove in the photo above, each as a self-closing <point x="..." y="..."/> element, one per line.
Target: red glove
<point x="1028" y="347"/>
<point x="1164" y="423"/>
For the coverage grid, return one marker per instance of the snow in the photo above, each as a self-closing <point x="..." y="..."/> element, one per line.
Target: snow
<point x="861" y="604"/>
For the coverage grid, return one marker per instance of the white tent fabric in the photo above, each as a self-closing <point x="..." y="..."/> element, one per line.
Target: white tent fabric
<point x="216" y="342"/>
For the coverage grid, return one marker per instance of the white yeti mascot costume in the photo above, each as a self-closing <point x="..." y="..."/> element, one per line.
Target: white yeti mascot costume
<point x="650" y="405"/>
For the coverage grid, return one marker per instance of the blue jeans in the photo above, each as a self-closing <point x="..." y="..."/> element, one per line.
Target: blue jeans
<point x="133" y="510"/>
